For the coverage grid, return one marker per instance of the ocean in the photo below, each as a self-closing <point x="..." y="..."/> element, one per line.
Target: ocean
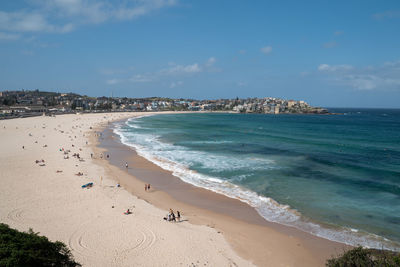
<point x="335" y="176"/>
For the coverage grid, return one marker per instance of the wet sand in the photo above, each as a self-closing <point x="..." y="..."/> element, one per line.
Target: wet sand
<point x="262" y="242"/>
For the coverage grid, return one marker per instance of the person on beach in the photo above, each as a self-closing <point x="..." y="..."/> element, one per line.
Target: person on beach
<point x="126" y="165"/>
<point x="148" y="187"/>
<point x="145" y="187"/>
<point x="173" y="217"/>
<point x="178" y="215"/>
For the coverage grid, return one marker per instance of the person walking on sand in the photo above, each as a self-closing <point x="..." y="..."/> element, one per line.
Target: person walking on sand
<point x="178" y="215"/>
<point x="126" y="165"/>
<point x="145" y="187"/>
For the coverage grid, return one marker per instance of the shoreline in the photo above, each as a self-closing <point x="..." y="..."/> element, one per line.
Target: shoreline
<point x="48" y="197"/>
<point x="229" y="216"/>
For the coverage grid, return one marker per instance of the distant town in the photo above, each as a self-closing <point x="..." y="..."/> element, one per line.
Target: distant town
<point x="32" y="103"/>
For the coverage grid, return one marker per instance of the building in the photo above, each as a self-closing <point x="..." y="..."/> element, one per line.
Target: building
<point x="276" y="109"/>
<point x="291" y="103"/>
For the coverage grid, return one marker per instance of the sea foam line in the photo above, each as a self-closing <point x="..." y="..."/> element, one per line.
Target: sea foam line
<point x="268" y="208"/>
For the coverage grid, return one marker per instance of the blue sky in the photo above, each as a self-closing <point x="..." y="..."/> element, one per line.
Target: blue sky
<point x="328" y="53"/>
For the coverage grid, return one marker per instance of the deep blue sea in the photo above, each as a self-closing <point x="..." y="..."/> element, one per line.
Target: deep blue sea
<point x="336" y="176"/>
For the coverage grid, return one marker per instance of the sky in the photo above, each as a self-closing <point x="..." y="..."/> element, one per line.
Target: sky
<point x="327" y="53"/>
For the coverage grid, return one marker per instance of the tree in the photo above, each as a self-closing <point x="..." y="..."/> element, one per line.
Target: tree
<point x="9" y="100"/>
<point x="360" y="257"/>
<point x="30" y="249"/>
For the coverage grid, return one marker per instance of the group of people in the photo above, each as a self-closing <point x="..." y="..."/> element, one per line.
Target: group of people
<point x="127" y="212"/>
<point x="171" y="216"/>
<point x="40" y="162"/>
<point x="147" y="187"/>
<point x="66" y="156"/>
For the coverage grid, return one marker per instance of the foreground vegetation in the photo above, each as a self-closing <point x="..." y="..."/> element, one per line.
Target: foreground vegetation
<point x="30" y="249"/>
<point x="362" y="257"/>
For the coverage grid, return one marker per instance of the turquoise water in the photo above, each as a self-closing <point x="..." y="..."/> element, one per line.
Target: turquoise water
<point x="335" y="176"/>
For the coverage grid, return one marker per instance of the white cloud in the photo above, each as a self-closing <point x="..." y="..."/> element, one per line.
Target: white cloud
<point x="111" y="71"/>
<point x="171" y="72"/>
<point x="23" y="22"/>
<point x="30" y="22"/>
<point x="97" y="11"/>
<point x="190" y="69"/>
<point x="332" y="68"/>
<point x="305" y="73"/>
<point x="85" y="11"/>
<point x="113" y="81"/>
<point x="181" y="69"/>
<point x="384" y="77"/>
<point x="9" y="36"/>
<point x="211" y="61"/>
<point x="134" y="79"/>
<point x="390" y="14"/>
<point x="176" y="84"/>
<point x="139" y="78"/>
<point x="266" y="49"/>
<point x="65" y="15"/>
<point x="371" y="82"/>
<point x="363" y="82"/>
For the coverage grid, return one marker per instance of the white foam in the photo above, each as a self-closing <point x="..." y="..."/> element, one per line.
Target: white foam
<point x="178" y="160"/>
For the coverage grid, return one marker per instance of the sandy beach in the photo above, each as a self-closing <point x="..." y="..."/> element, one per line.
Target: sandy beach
<point x="47" y="197"/>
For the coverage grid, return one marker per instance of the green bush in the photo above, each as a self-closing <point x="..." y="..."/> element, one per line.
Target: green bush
<point x="362" y="257"/>
<point x="30" y="249"/>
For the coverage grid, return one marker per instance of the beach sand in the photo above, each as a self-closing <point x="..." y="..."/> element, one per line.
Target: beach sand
<point x="215" y="231"/>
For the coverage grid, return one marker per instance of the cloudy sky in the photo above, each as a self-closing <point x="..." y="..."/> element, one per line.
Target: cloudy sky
<point x="328" y="53"/>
